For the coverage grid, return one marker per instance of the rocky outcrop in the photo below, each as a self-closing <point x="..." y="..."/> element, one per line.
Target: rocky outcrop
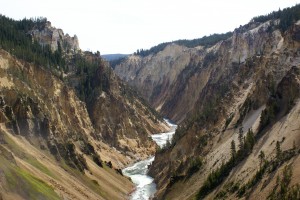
<point x="49" y="35"/>
<point x="237" y="84"/>
<point x="173" y="79"/>
<point x="153" y="75"/>
<point x="47" y="129"/>
<point x="67" y="123"/>
<point x="119" y="117"/>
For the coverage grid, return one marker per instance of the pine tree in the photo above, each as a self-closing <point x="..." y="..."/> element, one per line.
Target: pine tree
<point x="261" y="157"/>
<point x="241" y="139"/>
<point x="249" y="141"/>
<point x="278" y="151"/>
<point x="233" y="150"/>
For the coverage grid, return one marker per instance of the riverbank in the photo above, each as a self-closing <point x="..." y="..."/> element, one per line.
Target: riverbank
<point x="145" y="186"/>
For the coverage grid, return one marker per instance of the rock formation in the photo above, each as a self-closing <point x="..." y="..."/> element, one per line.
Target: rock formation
<point x="49" y="35"/>
<point x="236" y="103"/>
<point x="56" y="143"/>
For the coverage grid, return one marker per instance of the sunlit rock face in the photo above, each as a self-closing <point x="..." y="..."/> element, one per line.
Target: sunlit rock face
<point x="173" y="79"/>
<point x="54" y="37"/>
<point x="239" y="83"/>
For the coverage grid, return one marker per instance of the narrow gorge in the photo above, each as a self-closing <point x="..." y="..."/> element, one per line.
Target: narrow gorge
<point x="76" y="126"/>
<point x="68" y="124"/>
<point x="145" y="186"/>
<point x="236" y="101"/>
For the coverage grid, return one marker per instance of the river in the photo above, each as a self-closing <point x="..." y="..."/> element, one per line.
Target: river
<point x="145" y="186"/>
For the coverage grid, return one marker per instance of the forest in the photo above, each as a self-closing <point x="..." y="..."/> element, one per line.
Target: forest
<point x="287" y="17"/>
<point x="206" y="41"/>
<point x="15" y="39"/>
<point x="88" y="66"/>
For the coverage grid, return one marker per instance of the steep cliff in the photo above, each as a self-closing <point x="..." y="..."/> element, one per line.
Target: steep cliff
<point x="154" y="75"/>
<point x="120" y="117"/>
<point x="65" y="133"/>
<point x="46" y="34"/>
<point x="237" y="103"/>
<point x="244" y="75"/>
<point x="161" y="78"/>
<point x="47" y="148"/>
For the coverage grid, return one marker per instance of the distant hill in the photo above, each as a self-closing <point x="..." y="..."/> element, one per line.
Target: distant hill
<point x="110" y="57"/>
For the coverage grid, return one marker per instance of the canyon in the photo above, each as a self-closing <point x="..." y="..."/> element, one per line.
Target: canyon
<point x="236" y="102"/>
<point x="59" y="138"/>
<point x="71" y="122"/>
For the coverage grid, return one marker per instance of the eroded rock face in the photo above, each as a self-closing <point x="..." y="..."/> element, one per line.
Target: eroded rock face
<point x="44" y="122"/>
<point x="219" y="90"/>
<point x="121" y="118"/>
<point x="61" y="135"/>
<point x="154" y="75"/>
<point x="173" y="79"/>
<point x="52" y="36"/>
<point x="39" y="105"/>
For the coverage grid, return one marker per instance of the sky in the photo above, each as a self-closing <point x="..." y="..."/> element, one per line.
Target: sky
<point x="123" y="26"/>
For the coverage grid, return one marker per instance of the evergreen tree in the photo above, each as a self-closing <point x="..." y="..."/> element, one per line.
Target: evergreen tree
<point x="249" y="141"/>
<point x="15" y="39"/>
<point x="241" y="139"/>
<point x="261" y="157"/>
<point x="278" y="151"/>
<point x="233" y="150"/>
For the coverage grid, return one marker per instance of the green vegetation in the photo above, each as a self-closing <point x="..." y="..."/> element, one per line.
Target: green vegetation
<point x="114" y="63"/>
<point x="25" y="184"/>
<point x="228" y="120"/>
<point x="90" y="183"/>
<point x="229" y="188"/>
<point x="246" y="107"/>
<point x="287" y="17"/>
<point x="33" y="187"/>
<point x="233" y="150"/>
<point x="194" y="166"/>
<point x="281" y="100"/>
<point x="74" y="159"/>
<point x="282" y="189"/>
<point x="18" y="151"/>
<point x="94" y="76"/>
<point x="269" y="113"/>
<point x="15" y="39"/>
<point x="209" y="58"/>
<point x="262" y="158"/>
<point x="216" y="177"/>
<point x="88" y="149"/>
<point x="69" y="154"/>
<point x="268" y="166"/>
<point x="34" y="162"/>
<point x="206" y="41"/>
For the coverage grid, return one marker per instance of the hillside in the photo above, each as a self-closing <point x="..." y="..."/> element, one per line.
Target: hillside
<point x="111" y="57"/>
<point x="67" y="123"/>
<point x="237" y="102"/>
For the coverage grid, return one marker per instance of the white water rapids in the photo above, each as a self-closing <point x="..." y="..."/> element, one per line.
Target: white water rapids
<point x="145" y="187"/>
